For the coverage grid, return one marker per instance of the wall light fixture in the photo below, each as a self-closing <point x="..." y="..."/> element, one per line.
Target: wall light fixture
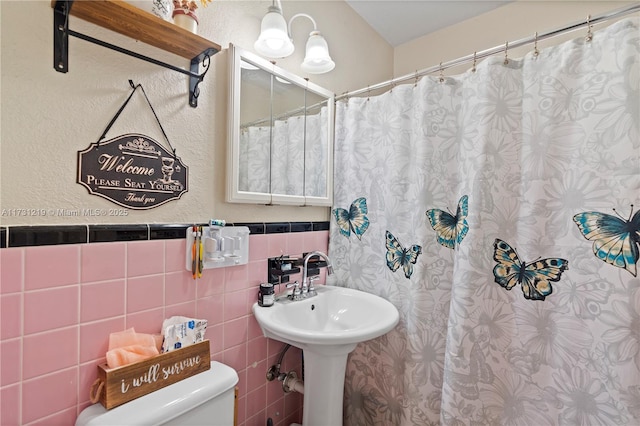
<point x="275" y="42"/>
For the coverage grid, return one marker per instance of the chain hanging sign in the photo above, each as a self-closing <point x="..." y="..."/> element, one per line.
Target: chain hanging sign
<point x="133" y="170"/>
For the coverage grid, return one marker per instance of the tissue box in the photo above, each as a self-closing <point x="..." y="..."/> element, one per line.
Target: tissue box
<point x="123" y="384"/>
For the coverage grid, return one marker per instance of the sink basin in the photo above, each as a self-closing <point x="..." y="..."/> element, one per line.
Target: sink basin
<point x="336" y="316"/>
<point x="326" y="327"/>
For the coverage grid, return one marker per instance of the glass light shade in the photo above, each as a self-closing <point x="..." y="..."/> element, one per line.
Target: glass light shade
<point x="274" y="41"/>
<point x="317" y="59"/>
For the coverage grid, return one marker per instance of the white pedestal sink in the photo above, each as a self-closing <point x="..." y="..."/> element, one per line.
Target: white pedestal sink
<point x="326" y="327"/>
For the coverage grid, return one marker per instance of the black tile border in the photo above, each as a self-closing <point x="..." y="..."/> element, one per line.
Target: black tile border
<point x="42" y="235"/>
<point x="302" y="227"/>
<point x="320" y="226"/>
<point x="111" y="233"/>
<point x="168" y="231"/>
<point x="277" y="227"/>
<point x="27" y="236"/>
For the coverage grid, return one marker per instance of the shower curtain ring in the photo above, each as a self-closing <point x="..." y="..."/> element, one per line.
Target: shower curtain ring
<point x="536" y="52"/>
<point x="473" y="69"/>
<point x="415" y="83"/>
<point x="346" y="97"/>
<point x="506" y="52"/>
<point x="589" y="35"/>
<point x="441" y="73"/>
<point x="368" y="93"/>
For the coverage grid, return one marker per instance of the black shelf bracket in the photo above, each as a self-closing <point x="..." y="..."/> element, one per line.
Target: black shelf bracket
<point x="194" y="78"/>
<point x="61" y="33"/>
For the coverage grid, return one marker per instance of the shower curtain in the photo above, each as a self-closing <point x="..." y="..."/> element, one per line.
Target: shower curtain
<point x="495" y="210"/>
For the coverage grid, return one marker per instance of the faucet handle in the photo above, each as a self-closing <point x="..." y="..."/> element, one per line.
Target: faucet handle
<point x="296" y="294"/>
<point x="312" y="289"/>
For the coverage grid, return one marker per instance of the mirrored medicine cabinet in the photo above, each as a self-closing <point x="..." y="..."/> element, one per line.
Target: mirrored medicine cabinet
<point x="280" y="135"/>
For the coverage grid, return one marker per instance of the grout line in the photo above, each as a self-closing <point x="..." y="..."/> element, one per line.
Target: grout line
<point x="126" y="285"/>
<point x="78" y="320"/>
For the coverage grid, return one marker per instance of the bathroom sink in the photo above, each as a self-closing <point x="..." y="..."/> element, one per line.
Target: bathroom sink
<point x="327" y="327"/>
<point x="336" y="316"/>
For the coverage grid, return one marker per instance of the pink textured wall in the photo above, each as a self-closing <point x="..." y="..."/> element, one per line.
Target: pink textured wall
<point x="59" y="304"/>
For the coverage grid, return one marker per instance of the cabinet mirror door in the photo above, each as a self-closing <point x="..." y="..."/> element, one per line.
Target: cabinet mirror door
<point x="255" y="130"/>
<point x="318" y="150"/>
<point x="280" y="148"/>
<point x="287" y="142"/>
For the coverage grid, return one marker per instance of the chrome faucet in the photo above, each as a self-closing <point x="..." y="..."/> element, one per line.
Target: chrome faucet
<point x="308" y="290"/>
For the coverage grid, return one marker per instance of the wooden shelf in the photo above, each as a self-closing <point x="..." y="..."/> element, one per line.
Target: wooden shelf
<point x="133" y="22"/>
<point x="137" y="24"/>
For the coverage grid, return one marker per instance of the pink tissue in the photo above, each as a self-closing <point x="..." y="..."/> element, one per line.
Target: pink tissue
<point x="126" y="347"/>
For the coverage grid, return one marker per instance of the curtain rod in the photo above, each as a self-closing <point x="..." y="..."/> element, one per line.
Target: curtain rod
<point x="285" y="115"/>
<point x="494" y="50"/>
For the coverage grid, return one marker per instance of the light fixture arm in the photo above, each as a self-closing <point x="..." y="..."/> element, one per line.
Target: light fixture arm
<point x="315" y="27"/>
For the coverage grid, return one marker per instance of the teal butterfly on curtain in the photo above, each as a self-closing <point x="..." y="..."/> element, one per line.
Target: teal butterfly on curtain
<point x="450" y="229"/>
<point x="615" y="239"/>
<point x="355" y="220"/>
<point x="535" y="278"/>
<point x="398" y="256"/>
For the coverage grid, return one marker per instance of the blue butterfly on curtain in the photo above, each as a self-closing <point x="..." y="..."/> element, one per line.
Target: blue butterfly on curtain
<point x="535" y="278"/>
<point x="355" y="220"/>
<point x="398" y="256"/>
<point x="450" y="230"/>
<point x="615" y="239"/>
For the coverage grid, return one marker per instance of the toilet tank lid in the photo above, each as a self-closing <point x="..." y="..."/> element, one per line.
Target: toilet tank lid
<point x="166" y="403"/>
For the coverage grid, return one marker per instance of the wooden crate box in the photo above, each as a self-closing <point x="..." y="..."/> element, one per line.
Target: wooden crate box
<point x="117" y="386"/>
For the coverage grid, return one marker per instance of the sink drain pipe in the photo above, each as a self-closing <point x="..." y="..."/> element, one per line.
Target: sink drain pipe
<point x="290" y="380"/>
<point x="291" y="383"/>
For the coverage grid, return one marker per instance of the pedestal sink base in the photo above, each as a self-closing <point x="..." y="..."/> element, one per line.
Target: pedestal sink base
<point x="324" y="386"/>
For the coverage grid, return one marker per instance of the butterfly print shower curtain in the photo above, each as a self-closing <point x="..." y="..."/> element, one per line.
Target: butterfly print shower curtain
<point x="497" y="210"/>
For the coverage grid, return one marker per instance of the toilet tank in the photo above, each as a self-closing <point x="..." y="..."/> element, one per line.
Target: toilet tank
<point x="206" y="398"/>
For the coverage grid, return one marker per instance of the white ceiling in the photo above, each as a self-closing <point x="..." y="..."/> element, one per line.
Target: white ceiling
<point x="399" y="21"/>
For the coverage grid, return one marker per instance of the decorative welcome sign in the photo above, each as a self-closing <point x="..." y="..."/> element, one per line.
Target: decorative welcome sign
<point x="123" y="384"/>
<point x="133" y="171"/>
